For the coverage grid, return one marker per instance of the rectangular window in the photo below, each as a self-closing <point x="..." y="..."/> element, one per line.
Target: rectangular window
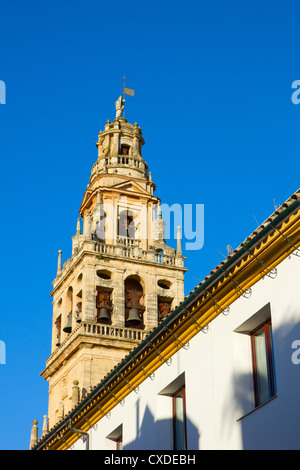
<point x="263" y="363"/>
<point x="179" y="420"/>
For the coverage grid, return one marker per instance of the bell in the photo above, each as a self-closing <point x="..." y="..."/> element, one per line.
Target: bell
<point x="68" y="327"/>
<point x="78" y="317"/>
<point x="133" y="317"/>
<point x="103" y="315"/>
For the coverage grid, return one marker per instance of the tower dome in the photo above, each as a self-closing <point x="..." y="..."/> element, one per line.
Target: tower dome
<point x="120" y="148"/>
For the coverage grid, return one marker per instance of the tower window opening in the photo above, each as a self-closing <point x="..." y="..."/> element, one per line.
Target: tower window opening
<point x="68" y="326"/>
<point x="134" y="304"/>
<point x="78" y="312"/>
<point x="58" y="328"/>
<point x="103" y="306"/>
<point x="125" y="149"/>
<point x="164" y="308"/>
<point x="126" y="226"/>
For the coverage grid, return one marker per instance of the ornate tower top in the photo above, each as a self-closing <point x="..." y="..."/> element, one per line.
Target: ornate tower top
<point x="120" y="148"/>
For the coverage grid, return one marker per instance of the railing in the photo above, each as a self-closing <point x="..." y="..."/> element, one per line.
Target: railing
<point x="105" y="249"/>
<point x="128" y="248"/>
<point x="98" y="330"/>
<point x="164" y="259"/>
<point x="126" y="241"/>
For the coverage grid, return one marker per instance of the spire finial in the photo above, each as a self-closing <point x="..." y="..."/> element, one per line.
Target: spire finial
<point x="34" y="434"/>
<point x="59" y="263"/>
<point x="179" y="250"/>
<point x="78" y="227"/>
<point x="45" y="425"/>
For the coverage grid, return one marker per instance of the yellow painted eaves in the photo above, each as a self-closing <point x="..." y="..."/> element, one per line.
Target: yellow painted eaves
<point x="172" y="336"/>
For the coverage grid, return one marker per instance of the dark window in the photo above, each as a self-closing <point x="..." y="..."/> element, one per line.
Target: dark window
<point x="263" y="363"/>
<point x="164" y="308"/>
<point x="124" y="149"/>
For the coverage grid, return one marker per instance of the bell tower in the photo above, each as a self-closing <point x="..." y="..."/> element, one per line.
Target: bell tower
<point x="122" y="277"/>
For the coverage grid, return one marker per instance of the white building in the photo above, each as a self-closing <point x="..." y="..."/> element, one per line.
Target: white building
<point x="220" y="372"/>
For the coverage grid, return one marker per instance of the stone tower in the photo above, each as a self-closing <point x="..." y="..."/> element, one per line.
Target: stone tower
<point x="121" y="279"/>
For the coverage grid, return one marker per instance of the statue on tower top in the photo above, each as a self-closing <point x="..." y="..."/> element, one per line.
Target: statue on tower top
<point x="119" y="107"/>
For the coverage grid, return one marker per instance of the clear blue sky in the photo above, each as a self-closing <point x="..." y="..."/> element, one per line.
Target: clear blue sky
<point x="213" y="97"/>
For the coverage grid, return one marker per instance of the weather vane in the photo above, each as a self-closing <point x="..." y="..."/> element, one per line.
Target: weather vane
<point x="126" y="91"/>
<point x="120" y="109"/>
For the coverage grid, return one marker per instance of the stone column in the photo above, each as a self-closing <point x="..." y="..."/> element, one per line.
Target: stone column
<point x="88" y="232"/>
<point x="136" y="150"/>
<point x="151" y="318"/>
<point x="116" y="144"/>
<point x="118" y="314"/>
<point x="75" y="393"/>
<point x="60" y="411"/>
<point x="89" y="293"/>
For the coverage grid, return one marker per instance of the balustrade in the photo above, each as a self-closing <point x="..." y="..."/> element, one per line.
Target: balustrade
<point x="125" y="248"/>
<point x="98" y="330"/>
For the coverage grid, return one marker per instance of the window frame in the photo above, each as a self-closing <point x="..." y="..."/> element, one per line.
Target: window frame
<point x="181" y="390"/>
<point x="119" y="443"/>
<point x="266" y="327"/>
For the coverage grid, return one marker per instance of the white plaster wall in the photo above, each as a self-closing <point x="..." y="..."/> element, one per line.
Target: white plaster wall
<point x="218" y="379"/>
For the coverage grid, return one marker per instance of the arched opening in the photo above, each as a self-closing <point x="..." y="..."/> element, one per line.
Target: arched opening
<point x="69" y="305"/>
<point x="58" y="330"/>
<point x="134" y="303"/>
